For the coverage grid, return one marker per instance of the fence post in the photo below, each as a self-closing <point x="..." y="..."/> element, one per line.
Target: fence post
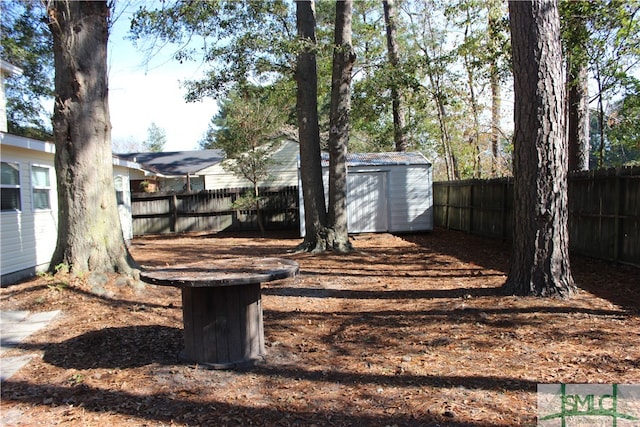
<point x="505" y="188"/>
<point x="617" y="240"/>
<point x="173" y="212"/>
<point x="471" y="205"/>
<point x="446" y="206"/>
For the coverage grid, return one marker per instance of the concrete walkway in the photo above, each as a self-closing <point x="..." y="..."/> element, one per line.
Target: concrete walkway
<point x="15" y="326"/>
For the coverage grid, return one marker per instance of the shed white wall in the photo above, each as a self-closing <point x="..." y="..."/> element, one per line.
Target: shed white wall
<point x="410" y="198"/>
<point x="393" y="198"/>
<point x="28" y="236"/>
<point x="283" y="174"/>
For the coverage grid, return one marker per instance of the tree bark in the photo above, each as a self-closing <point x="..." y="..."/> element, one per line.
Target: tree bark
<point x="576" y="42"/>
<point x="496" y="101"/>
<point x="89" y="231"/>
<point x="578" y="116"/>
<point x="397" y="100"/>
<point x="315" y="212"/>
<point x="343" y="59"/>
<point x="540" y="260"/>
<point x="494" y="81"/>
<point x="474" y="140"/>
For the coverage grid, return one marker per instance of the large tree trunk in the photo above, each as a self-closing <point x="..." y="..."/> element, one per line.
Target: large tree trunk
<point x="474" y="139"/>
<point x="89" y="231"/>
<point x="576" y="43"/>
<point x="343" y="59"/>
<point x="495" y="120"/>
<point x="494" y="79"/>
<point x="315" y="212"/>
<point x="397" y="100"/>
<point x="578" y="116"/>
<point x="540" y="259"/>
<point x="449" y="156"/>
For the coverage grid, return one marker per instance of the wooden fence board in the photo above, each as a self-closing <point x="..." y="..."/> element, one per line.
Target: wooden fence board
<point x="159" y="213"/>
<point x="604" y="211"/>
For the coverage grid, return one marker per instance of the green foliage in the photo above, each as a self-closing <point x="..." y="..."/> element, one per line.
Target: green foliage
<point x="574" y="32"/>
<point x="445" y="50"/>
<point x="621" y="146"/>
<point x="62" y="268"/>
<point x="26" y="43"/>
<point x="605" y="35"/>
<point x="75" y="379"/>
<point x="248" y="129"/>
<point x="242" y="43"/>
<point x="57" y="286"/>
<point x="53" y="280"/>
<point x="156" y="138"/>
<point x="624" y="124"/>
<point x="247" y="201"/>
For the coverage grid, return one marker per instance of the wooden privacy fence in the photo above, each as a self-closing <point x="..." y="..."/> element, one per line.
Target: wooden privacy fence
<point x="604" y="211"/>
<point x="211" y="210"/>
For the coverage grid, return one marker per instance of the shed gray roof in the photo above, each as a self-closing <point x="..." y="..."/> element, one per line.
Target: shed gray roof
<point x="381" y="159"/>
<point x="177" y="162"/>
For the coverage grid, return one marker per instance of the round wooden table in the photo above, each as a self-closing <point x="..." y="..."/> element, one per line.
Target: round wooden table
<point x="221" y="307"/>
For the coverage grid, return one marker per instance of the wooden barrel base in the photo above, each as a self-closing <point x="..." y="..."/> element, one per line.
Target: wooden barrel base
<point x="221" y="307"/>
<point x="223" y="326"/>
<point x="238" y="364"/>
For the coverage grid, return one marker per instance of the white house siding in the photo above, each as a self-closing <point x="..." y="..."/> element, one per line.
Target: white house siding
<point x="283" y="174"/>
<point x="28" y="236"/>
<point x="138" y="175"/>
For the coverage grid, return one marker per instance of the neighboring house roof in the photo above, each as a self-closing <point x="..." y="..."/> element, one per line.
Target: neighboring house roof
<point x="48" y="147"/>
<point x="381" y="159"/>
<point x="175" y="163"/>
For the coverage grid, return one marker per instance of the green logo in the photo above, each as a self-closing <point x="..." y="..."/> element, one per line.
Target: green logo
<point x="567" y="405"/>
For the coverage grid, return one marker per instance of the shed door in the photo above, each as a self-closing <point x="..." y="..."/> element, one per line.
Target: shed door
<point x="367" y="202"/>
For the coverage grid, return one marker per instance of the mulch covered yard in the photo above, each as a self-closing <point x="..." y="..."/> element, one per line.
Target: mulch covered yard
<point x="408" y="330"/>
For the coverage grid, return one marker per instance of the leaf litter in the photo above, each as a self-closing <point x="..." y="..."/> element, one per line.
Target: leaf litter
<point x="407" y="330"/>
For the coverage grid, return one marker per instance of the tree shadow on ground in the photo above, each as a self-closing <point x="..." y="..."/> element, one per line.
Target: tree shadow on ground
<point x="169" y="408"/>
<point x="438" y="381"/>
<point x="136" y="346"/>
<point x="117" y="348"/>
<point x="616" y="283"/>
<point x="191" y="247"/>
<point x="490" y="254"/>
<point x="320" y="292"/>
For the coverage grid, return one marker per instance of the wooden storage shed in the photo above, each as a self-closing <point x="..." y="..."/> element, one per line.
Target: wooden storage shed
<point x="386" y="192"/>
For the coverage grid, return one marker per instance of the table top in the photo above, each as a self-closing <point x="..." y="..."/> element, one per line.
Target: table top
<point x="221" y="272"/>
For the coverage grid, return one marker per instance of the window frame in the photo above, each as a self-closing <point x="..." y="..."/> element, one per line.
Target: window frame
<point x="118" y="183"/>
<point x="35" y="187"/>
<point x="14" y="187"/>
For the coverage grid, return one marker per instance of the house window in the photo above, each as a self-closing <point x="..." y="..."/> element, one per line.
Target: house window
<point x="41" y="185"/>
<point x="119" y="190"/>
<point x="10" y="187"/>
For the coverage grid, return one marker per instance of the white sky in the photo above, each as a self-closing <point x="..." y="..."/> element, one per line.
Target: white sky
<point x="140" y="94"/>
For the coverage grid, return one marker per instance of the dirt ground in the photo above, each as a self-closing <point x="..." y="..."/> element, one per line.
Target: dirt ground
<point x="408" y="330"/>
